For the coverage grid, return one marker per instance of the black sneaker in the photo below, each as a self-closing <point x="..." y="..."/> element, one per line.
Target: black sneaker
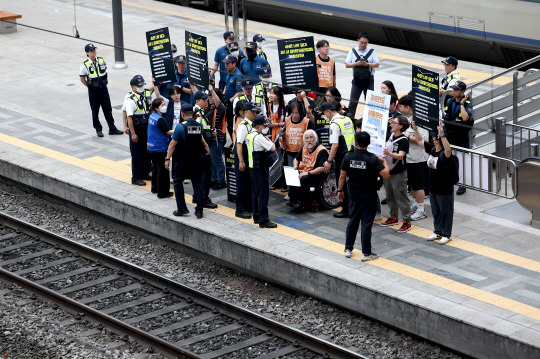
<point x="181" y="212"/>
<point x="341" y="215"/>
<point x="138" y="182"/>
<point x="384" y="201"/>
<point x="99" y="133"/>
<point x="209" y="204"/>
<point x="198" y="214"/>
<point x="244" y="215"/>
<point x="219" y="186"/>
<point x="116" y="132"/>
<point x="461" y="190"/>
<point x="268" y="224"/>
<point x="168" y="195"/>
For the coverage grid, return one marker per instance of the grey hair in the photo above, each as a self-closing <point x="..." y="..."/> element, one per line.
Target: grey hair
<point x="313" y="133"/>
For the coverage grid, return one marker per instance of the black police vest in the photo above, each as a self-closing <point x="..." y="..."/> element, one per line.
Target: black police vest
<point x="362" y="173"/>
<point x="192" y="147"/>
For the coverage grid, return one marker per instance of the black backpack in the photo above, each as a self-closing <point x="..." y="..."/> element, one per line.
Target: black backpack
<point x="362" y="73"/>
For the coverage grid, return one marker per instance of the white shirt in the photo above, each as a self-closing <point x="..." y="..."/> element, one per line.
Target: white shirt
<point x="373" y="58"/>
<point x="130" y="105"/>
<point x="335" y="130"/>
<point x="176" y="111"/>
<point x="83" y="71"/>
<point x="125" y="101"/>
<point x="416" y="153"/>
<point x="454" y="80"/>
<point x="241" y="132"/>
<point x="261" y="104"/>
<point x="262" y="143"/>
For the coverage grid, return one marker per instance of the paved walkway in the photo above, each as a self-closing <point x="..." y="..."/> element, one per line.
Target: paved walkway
<point x="488" y="274"/>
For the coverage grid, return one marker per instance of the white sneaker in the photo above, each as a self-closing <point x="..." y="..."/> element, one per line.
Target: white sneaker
<point x="414" y="207"/>
<point x="433" y="237"/>
<point x="187" y="181"/>
<point x="418" y="215"/>
<point x="348" y="253"/>
<point x="378" y="217"/>
<point x="369" y="257"/>
<point x="445" y="240"/>
<point x="287" y="198"/>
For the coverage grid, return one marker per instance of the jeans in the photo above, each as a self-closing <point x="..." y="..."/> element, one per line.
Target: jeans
<point x="218" y="165"/>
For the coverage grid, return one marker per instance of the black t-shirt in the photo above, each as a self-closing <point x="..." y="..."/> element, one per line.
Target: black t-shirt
<point x="322" y="157"/>
<point x="362" y="169"/>
<point x="401" y="145"/>
<point x="441" y="171"/>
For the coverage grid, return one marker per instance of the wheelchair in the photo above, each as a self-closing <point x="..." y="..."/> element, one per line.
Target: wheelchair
<point x="324" y="195"/>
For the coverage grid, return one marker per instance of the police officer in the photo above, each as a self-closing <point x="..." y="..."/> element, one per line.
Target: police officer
<point x="187" y="149"/>
<point x="93" y="74"/>
<point x="258" y="146"/>
<point x="201" y="104"/>
<point x="220" y="55"/>
<point x="260" y="40"/>
<point x="243" y="180"/>
<point x="452" y="74"/>
<point x="263" y="87"/>
<point x="361" y="168"/>
<point x="341" y="142"/>
<point x="248" y="95"/>
<point x="250" y="65"/>
<point x="138" y="111"/>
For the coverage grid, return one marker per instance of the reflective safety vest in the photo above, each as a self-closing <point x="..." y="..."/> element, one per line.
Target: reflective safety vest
<point x="256" y="159"/>
<point x="325" y="71"/>
<point x="207" y="129"/>
<point x="448" y="78"/>
<point x="309" y="159"/>
<point x="249" y="128"/>
<point x="256" y="99"/>
<point x="294" y="133"/>
<point x="96" y="75"/>
<point x="140" y="116"/>
<point x="259" y="90"/>
<point x="346" y="127"/>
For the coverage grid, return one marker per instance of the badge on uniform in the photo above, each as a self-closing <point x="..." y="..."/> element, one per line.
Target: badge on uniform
<point x="194" y="130"/>
<point x="361" y="165"/>
<point x="238" y="82"/>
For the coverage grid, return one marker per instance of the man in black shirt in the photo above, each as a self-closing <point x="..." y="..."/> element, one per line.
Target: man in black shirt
<point x="361" y="168"/>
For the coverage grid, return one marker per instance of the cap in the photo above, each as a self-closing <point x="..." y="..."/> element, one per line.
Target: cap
<point x="247" y="83"/>
<point x="228" y="35"/>
<point x="230" y="59"/>
<point x="251" y="45"/>
<point x="137" y="80"/>
<point x="89" y="47"/>
<point x="258" y="37"/>
<point x="186" y="108"/>
<point x="200" y="95"/>
<point x="181" y="59"/>
<point x="334" y="106"/>
<point x="460" y="85"/>
<point x="450" y="60"/>
<point x="174" y="48"/>
<point x="265" y="71"/>
<point x="233" y="46"/>
<point x="250" y="106"/>
<point x="260" y="120"/>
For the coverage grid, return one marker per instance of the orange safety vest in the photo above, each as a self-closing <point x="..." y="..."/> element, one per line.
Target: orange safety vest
<point x="309" y="159"/>
<point x="294" y="133"/>
<point x="325" y="71"/>
<point x="275" y="119"/>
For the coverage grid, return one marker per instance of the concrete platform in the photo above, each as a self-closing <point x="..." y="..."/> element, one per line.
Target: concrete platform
<point x="479" y="294"/>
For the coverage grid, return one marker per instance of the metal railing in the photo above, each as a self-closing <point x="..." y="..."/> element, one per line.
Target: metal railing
<point x="485" y="172"/>
<point x="523" y="145"/>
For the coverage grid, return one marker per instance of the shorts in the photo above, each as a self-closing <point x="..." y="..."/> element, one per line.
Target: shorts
<point x="417" y="174"/>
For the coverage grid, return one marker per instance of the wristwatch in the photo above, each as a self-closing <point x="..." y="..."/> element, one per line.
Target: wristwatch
<point x="340" y="190"/>
<point x="167" y="159"/>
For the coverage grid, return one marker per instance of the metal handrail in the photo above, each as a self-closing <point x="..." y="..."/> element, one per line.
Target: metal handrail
<point x="513" y="68"/>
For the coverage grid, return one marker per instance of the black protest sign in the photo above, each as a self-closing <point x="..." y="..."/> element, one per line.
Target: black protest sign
<point x="425" y="88"/>
<point x="230" y="173"/>
<point x="160" y="54"/>
<point x="297" y="64"/>
<point x="197" y="60"/>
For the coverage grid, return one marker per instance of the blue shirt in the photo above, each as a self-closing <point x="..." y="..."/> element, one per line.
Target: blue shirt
<point x="234" y="85"/>
<point x="179" y="133"/>
<point x="221" y="54"/>
<point x="182" y="82"/>
<point x="251" y="68"/>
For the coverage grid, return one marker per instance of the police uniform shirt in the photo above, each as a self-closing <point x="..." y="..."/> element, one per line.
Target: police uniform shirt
<point x="182" y="82"/>
<point x="126" y="98"/>
<point x="220" y="55"/>
<point x="260" y="104"/>
<point x="261" y="143"/>
<point x="373" y="58"/>
<point x="362" y="169"/>
<point x="130" y="105"/>
<point x="251" y="68"/>
<point x="242" y="131"/>
<point x="455" y="78"/>
<point x="83" y="71"/>
<point x="335" y="130"/>
<point x="233" y="85"/>
<point x="454" y="109"/>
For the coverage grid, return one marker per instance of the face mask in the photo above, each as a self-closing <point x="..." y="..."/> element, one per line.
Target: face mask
<point x="235" y="53"/>
<point x="140" y="89"/>
<point x="267" y="81"/>
<point x="260" y="44"/>
<point x="163" y="109"/>
<point x="265" y="131"/>
<point x="251" y="53"/>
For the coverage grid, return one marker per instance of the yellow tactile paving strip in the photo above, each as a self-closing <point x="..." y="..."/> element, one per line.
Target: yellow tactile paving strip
<point x="469" y="75"/>
<point x="122" y="172"/>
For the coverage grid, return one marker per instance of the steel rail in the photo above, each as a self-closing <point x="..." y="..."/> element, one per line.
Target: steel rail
<point x="270" y="326"/>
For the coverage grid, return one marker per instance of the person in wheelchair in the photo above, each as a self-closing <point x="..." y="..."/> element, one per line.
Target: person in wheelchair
<point x="310" y="164"/>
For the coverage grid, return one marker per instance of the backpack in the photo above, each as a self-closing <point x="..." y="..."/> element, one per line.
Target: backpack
<point x="362" y="73"/>
<point x="390" y="147"/>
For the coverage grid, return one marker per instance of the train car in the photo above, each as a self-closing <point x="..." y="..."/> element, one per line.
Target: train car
<point x="498" y="32"/>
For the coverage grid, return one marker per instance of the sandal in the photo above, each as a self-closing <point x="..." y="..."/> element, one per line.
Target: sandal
<point x="272" y="188"/>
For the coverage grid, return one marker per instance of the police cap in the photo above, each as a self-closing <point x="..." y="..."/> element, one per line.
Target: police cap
<point x="137" y="80"/>
<point x="186" y="108"/>
<point x="333" y="106"/>
<point x="229" y="59"/>
<point x="251" y="45"/>
<point x="258" y="38"/>
<point x="228" y="35"/>
<point x="200" y="95"/>
<point x="89" y="47"/>
<point x="450" y="60"/>
<point x="247" y="83"/>
<point x="180" y="59"/>
<point x="250" y="106"/>
<point x="233" y="46"/>
<point x="265" y="71"/>
<point x="459" y="86"/>
<point x="174" y="48"/>
<point x="260" y="120"/>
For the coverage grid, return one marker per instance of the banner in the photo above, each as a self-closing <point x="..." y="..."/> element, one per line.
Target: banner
<point x="425" y="88"/>
<point x="230" y="173"/>
<point x="297" y="64"/>
<point x="160" y="55"/>
<point x="375" y="120"/>
<point x="197" y="59"/>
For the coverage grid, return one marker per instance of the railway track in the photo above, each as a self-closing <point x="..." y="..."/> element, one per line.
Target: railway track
<point x="171" y="317"/>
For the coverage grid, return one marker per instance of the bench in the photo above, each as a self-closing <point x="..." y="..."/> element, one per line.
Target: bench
<point x="10" y="26"/>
